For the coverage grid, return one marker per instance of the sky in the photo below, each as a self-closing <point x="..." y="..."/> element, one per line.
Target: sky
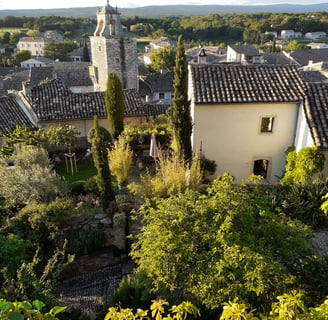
<point x="46" y="4"/>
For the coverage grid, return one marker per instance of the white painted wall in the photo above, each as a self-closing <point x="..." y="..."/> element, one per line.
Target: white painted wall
<point x="230" y="135"/>
<point x="303" y="136"/>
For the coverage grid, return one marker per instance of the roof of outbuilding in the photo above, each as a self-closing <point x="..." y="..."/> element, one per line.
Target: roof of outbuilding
<point x="53" y="101"/>
<point x="160" y="82"/>
<point x="316" y="111"/>
<point x="303" y="56"/>
<point x="13" y="81"/>
<point x="215" y="84"/>
<point x="156" y="109"/>
<point x="276" y="58"/>
<point x="248" y="50"/>
<point x="12" y="115"/>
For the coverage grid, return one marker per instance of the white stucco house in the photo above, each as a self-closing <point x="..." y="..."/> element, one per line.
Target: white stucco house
<point x="315" y="35"/>
<point x="244" y="54"/>
<point x="312" y="122"/>
<point x="36" y="62"/>
<point x="245" y="116"/>
<point x="290" y="34"/>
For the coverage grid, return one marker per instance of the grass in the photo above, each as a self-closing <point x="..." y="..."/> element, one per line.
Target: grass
<point x="85" y="170"/>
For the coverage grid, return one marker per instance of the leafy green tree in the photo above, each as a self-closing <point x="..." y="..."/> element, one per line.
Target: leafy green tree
<point x="33" y="33"/>
<point x="220" y="245"/>
<point x="181" y="118"/>
<point x="22" y="135"/>
<point x="302" y="166"/>
<point x="20" y="56"/>
<point x="30" y="179"/>
<point x="63" y="135"/>
<point x="162" y="59"/>
<point x="100" y="159"/>
<point x="114" y="104"/>
<point x="294" y="45"/>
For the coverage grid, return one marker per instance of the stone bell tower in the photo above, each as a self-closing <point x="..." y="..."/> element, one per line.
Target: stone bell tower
<point x="111" y="51"/>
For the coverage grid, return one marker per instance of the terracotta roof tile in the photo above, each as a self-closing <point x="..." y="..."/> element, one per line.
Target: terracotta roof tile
<point x="214" y="84"/>
<point x="53" y="101"/>
<point x="12" y="115"/>
<point x="316" y="111"/>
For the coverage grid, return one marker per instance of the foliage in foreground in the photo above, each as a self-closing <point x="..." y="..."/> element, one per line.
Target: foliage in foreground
<point x="225" y="244"/>
<point x="302" y="166"/>
<point x="289" y="307"/>
<point x="157" y="312"/>
<point x="21" y="310"/>
<point x="30" y="283"/>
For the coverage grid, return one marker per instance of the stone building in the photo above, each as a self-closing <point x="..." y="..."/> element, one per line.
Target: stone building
<point x="112" y="51"/>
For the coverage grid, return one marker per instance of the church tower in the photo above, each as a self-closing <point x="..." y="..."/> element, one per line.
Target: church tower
<point x="111" y="51"/>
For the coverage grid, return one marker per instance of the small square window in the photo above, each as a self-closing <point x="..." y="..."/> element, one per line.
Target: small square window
<point x="161" y="95"/>
<point x="267" y="124"/>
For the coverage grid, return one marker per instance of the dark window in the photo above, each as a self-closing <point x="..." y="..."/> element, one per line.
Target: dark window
<point x="161" y="95"/>
<point x="267" y="124"/>
<point x="261" y="168"/>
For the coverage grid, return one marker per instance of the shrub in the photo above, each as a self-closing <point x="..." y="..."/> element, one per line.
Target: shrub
<point x="119" y="220"/>
<point x="172" y="177"/>
<point x="120" y="160"/>
<point x="86" y="240"/>
<point x="134" y="292"/>
<point x="12" y="252"/>
<point x="304" y="201"/>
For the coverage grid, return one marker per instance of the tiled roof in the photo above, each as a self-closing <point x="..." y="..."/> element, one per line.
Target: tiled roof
<point x="313" y="76"/>
<point x="160" y="82"/>
<point x="40" y="74"/>
<point x="156" y="109"/>
<point x="14" y="80"/>
<point x="32" y="39"/>
<point x="133" y="104"/>
<point x="245" y="49"/>
<point x="276" y="58"/>
<point x="53" y="101"/>
<point x="316" y="111"/>
<point x="39" y="59"/>
<point x="12" y="115"/>
<point x="303" y="56"/>
<point x="214" y="84"/>
<point x="73" y="74"/>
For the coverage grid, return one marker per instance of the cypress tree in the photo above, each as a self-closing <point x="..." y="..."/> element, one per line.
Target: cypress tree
<point x="100" y="159"/>
<point x="114" y="104"/>
<point x="86" y="56"/>
<point x="181" y="118"/>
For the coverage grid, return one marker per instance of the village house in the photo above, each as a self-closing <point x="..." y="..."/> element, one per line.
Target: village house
<point x="160" y="43"/>
<point x="52" y="103"/>
<point x="243" y="54"/>
<point x="290" y="34"/>
<point x="315" y="35"/>
<point x="36" y="62"/>
<point x="157" y="87"/>
<point x="245" y="117"/>
<point x="35" y="45"/>
<point x="53" y="36"/>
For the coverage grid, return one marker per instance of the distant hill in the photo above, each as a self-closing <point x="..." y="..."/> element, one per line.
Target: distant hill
<point x="172" y="10"/>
